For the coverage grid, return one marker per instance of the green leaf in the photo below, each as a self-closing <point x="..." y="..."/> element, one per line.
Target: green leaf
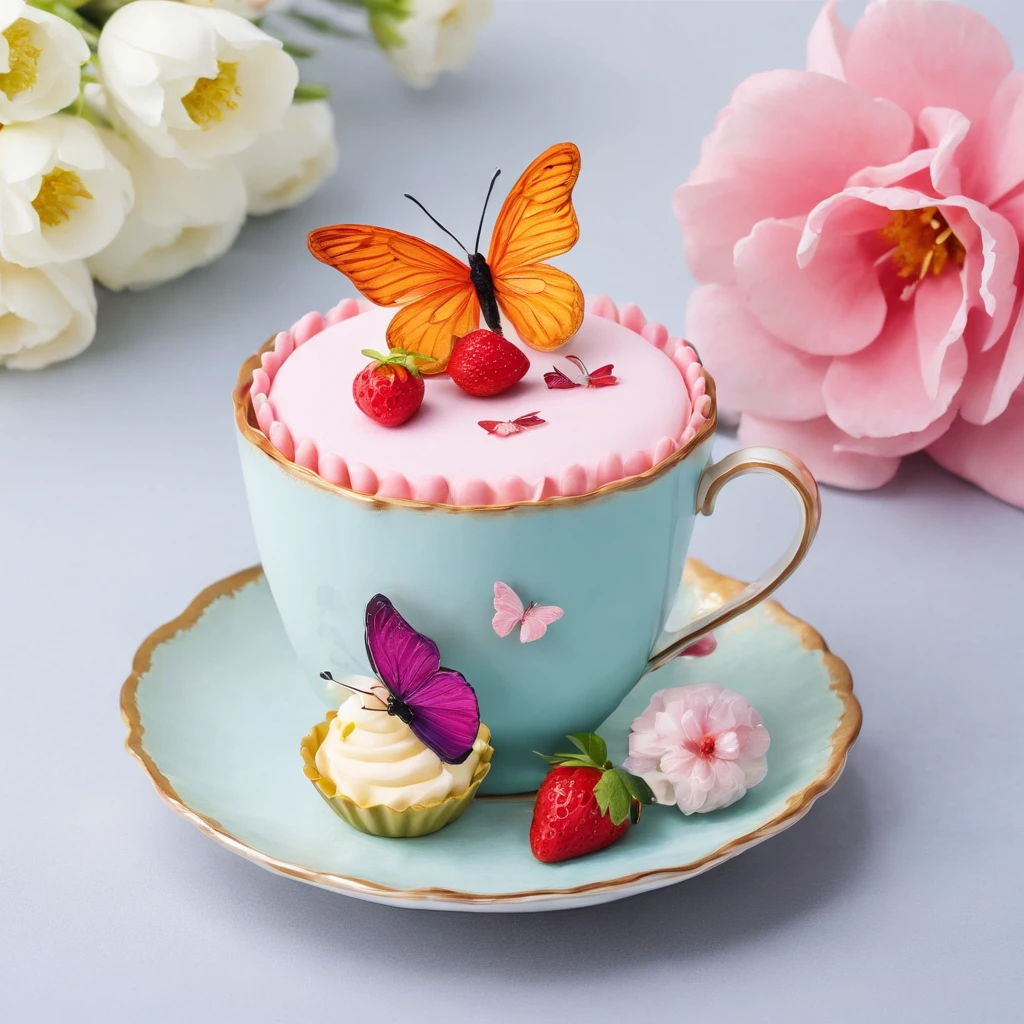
<point x="636" y="787"/>
<point x="323" y="25"/>
<point x="297" y="51"/>
<point x="592" y="745"/>
<point x="613" y="797"/>
<point x="384" y="27"/>
<point x="307" y="91"/>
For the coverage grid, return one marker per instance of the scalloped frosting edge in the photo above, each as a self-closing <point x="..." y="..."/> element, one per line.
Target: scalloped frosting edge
<point x="574" y="480"/>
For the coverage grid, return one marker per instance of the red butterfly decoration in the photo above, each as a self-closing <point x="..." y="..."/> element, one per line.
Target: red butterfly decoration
<point x="600" y="378"/>
<point x="503" y="428"/>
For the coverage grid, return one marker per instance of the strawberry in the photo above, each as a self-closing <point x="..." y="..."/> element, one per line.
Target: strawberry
<point x="483" y="363"/>
<point x="390" y="389"/>
<point x="584" y="803"/>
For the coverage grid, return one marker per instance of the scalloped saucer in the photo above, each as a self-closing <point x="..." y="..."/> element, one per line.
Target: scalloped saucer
<point x="216" y="720"/>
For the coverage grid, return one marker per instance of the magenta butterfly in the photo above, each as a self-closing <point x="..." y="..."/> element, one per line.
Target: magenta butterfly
<point x="600" y="378"/>
<point x="435" y="702"/>
<point x="504" y="428"/>
<point x="533" y="620"/>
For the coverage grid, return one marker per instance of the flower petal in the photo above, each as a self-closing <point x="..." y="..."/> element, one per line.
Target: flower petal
<point x="928" y="55"/>
<point x="901" y="444"/>
<point x="994" y="374"/>
<point x="879" y="392"/>
<point x="826" y="45"/>
<point x="991" y="456"/>
<point x="816" y="442"/>
<point x="940" y="316"/>
<point x="787" y="139"/>
<point x="755" y="372"/>
<point x="756" y="744"/>
<point x="996" y="166"/>
<point x="832" y="306"/>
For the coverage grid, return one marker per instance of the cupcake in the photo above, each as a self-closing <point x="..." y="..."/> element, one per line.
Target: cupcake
<point x="380" y="778"/>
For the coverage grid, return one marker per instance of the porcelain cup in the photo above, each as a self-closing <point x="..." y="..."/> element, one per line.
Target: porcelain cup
<point x="612" y="559"/>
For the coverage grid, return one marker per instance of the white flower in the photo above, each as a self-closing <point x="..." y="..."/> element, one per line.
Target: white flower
<point x="246" y="8"/>
<point x="284" y="166"/>
<point x="46" y="314"/>
<point x="40" y="62"/>
<point x="183" y="217"/>
<point x="191" y="82"/>
<point x="63" y="195"/>
<point x="424" y="37"/>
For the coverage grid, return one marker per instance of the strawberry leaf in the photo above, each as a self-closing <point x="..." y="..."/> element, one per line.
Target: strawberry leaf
<point x="566" y="760"/>
<point x="613" y="798"/>
<point x="636" y="787"/>
<point x="592" y="746"/>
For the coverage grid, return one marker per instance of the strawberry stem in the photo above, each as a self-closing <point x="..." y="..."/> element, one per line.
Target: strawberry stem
<point x="402" y="357"/>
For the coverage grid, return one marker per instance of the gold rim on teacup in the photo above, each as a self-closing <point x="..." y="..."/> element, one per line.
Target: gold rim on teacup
<point x="245" y="419"/>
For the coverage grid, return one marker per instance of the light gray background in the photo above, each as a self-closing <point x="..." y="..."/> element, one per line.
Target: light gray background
<point x="898" y="898"/>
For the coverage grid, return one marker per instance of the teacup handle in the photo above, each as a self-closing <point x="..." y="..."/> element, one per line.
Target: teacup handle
<point x="713" y="479"/>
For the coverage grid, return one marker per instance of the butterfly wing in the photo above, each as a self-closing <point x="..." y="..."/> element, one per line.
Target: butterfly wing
<point x="401" y="658"/>
<point x="446" y="715"/>
<point x="537" y="620"/>
<point x="558" y="381"/>
<point x="537" y="222"/>
<point x="430" y="325"/>
<point x="508" y="609"/>
<point x="602" y="377"/>
<point x="394" y="269"/>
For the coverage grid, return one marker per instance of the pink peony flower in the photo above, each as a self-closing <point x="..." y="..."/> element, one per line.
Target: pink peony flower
<point x="857" y="226"/>
<point x="700" y="747"/>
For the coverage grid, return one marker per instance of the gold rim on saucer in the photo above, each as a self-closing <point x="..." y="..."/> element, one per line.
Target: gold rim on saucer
<point x="717" y="589"/>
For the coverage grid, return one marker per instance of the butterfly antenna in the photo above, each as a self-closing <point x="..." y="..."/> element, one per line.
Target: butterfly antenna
<point x="437" y="222"/>
<point x="348" y="686"/>
<point x="483" y="213"/>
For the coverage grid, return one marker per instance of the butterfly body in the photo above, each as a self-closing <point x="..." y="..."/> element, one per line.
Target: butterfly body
<point x="441" y="298"/>
<point x="397" y="708"/>
<point x="483" y="282"/>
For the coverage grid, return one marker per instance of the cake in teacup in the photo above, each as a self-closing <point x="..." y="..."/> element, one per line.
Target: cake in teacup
<point x="517" y="468"/>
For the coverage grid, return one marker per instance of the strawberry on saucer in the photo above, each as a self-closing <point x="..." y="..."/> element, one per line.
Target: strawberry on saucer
<point x="584" y="803"/>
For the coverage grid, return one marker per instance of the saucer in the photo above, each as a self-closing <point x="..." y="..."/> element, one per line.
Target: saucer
<point x="216" y="707"/>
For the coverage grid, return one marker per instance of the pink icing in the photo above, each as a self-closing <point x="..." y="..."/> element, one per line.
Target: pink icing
<point x="301" y="395"/>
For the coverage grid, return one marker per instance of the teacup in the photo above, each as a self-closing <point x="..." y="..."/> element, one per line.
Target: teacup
<point x="612" y="559"/>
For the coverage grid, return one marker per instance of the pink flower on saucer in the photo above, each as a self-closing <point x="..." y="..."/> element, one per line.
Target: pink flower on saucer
<point x="700" y="747"/>
<point x="857" y="229"/>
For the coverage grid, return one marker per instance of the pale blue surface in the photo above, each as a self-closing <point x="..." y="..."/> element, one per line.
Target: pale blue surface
<point x="225" y="705"/>
<point x="897" y="896"/>
<point x="613" y="564"/>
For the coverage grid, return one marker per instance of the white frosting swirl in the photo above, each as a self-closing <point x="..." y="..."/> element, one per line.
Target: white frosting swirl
<point x="375" y="758"/>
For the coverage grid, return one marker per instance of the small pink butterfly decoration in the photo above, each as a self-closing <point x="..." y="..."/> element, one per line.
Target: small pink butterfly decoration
<point x="504" y="428"/>
<point x="600" y="378"/>
<point x="533" y="620"/>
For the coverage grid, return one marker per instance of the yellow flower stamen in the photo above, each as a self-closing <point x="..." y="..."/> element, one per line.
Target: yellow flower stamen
<point x="211" y="98"/>
<point x="58" y="196"/>
<point x="923" y="242"/>
<point x="22" y="59"/>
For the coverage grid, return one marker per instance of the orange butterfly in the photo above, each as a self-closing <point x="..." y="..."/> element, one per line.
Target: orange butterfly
<point x="442" y="298"/>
